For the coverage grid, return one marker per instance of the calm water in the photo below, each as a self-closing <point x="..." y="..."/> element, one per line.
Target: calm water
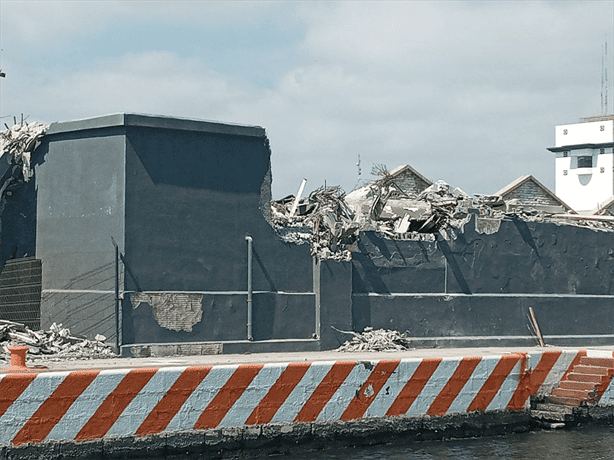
<point x="582" y="443"/>
<point x="585" y="443"/>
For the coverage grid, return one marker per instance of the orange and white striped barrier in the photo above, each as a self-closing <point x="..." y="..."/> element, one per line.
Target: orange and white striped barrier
<point x="85" y="405"/>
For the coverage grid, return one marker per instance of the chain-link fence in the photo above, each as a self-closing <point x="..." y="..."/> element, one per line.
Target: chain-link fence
<point x="86" y="304"/>
<point x="20" y="291"/>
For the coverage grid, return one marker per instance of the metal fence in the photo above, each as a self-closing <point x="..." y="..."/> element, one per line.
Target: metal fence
<point x="86" y="304"/>
<point x="20" y="291"/>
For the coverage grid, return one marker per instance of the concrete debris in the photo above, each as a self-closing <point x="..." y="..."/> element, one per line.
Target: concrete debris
<point x="323" y="219"/>
<point x="19" y="142"/>
<point x="55" y="344"/>
<point x="331" y="221"/>
<point x="376" y="340"/>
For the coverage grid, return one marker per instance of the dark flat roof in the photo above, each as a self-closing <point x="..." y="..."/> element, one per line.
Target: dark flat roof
<point x="605" y="145"/>
<point x="154" y="121"/>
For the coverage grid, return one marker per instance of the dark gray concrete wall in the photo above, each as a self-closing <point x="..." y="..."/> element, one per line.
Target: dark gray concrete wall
<point x="224" y="318"/>
<point x="80" y="206"/>
<point x="483" y="285"/>
<point x="335" y="302"/>
<point x="191" y="199"/>
<point x="522" y="257"/>
<point x="18" y="224"/>
<point x="466" y="316"/>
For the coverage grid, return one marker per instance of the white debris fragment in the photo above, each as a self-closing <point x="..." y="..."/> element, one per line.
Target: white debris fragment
<point x="55" y="344"/>
<point x="376" y="340"/>
<point x="19" y="142"/>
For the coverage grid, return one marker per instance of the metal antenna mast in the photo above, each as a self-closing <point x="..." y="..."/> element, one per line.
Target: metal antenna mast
<point x="602" y="81"/>
<point x="606" y="77"/>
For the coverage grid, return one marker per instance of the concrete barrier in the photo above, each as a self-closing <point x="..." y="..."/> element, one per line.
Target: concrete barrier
<point x="82" y="406"/>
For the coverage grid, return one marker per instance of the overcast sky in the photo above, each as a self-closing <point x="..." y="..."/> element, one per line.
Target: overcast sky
<point x="467" y="92"/>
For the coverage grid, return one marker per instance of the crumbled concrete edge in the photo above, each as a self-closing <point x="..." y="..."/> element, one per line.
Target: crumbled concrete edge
<point x="270" y="439"/>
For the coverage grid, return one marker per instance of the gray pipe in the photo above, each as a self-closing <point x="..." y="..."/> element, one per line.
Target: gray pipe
<point x="249" y="240"/>
<point x="117" y="340"/>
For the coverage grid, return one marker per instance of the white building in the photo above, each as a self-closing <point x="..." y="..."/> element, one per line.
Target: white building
<point x="584" y="164"/>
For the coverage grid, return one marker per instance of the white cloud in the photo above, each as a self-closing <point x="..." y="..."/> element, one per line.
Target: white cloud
<point x="465" y="91"/>
<point x="155" y="82"/>
<point x="58" y="22"/>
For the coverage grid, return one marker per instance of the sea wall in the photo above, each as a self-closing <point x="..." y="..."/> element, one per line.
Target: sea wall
<point x="102" y="413"/>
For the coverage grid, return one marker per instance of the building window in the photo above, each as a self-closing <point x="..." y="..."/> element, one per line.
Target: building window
<point x="585" y="162"/>
<point x="564" y="172"/>
<point x="602" y="128"/>
<point x="602" y="169"/>
<point x="564" y="132"/>
<point x="565" y="154"/>
<point x="602" y="151"/>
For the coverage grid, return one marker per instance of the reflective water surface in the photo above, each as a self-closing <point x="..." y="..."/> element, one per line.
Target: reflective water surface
<point x="585" y="443"/>
<point x="581" y="443"/>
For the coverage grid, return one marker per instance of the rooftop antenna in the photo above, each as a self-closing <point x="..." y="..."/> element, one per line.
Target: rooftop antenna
<point x="602" y="80"/>
<point x="606" y="77"/>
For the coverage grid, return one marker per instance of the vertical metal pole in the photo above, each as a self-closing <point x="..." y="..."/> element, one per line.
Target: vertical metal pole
<point x="316" y="290"/>
<point x="249" y="240"/>
<point x="445" y="275"/>
<point x="117" y="342"/>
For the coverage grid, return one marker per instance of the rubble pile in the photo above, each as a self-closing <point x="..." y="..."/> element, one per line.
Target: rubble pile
<point x="438" y="209"/>
<point x="376" y="340"/>
<point x="330" y="220"/>
<point x="55" y="344"/>
<point x="19" y="142"/>
<point x="323" y="219"/>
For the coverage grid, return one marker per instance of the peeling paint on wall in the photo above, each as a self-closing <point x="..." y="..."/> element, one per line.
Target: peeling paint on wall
<point x="173" y="311"/>
<point x="487" y="225"/>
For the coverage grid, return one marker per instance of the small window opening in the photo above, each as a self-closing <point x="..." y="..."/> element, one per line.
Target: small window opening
<point x="585" y="162"/>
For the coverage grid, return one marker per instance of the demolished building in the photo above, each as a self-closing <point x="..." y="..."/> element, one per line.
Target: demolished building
<point x="208" y="263"/>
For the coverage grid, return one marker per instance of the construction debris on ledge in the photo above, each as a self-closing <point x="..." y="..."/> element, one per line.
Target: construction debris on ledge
<point x="404" y="205"/>
<point x="19" y="142"/>
<point x="323" y="219"/>
<point x="375" y="340"/>
<point x="330" y="221"/>
<point x="54" y="345"/>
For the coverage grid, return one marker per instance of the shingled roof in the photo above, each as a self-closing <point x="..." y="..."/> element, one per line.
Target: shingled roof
<point x="529" y="191"/>
<point x="408" y="179"/>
